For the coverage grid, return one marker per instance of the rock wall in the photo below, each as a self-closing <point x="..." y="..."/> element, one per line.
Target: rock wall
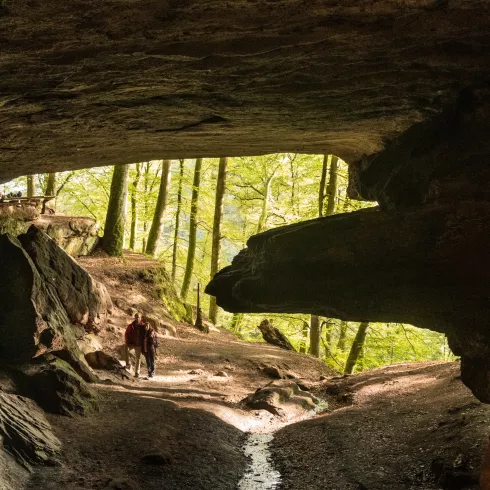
<point x="47" y="303"/>
<point x="75" y="235"/>
<point x="421" y="257"/>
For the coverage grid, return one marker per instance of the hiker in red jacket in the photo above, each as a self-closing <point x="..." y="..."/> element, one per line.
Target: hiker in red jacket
<point x="133" y="340"/>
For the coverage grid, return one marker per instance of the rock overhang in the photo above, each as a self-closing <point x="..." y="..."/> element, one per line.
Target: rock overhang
<point x="97" y="83"/>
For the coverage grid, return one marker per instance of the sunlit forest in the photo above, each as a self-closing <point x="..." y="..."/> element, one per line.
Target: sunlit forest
<point x="261" y="192"/>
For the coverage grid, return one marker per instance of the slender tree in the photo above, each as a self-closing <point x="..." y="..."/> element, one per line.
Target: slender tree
<point x="265" y="201"/>
<point x="332" y="186"/>
<point x="304" y="337"/>
<point x="321" y="190"/>
<point x="315" y="326"/>
<point x="342" y="336"/>
<point x="30" y="186"/>
<point x="50" y="189"/>
<point x="177" y="221"/>
<point x="134" y="207"/>
<point x="113" y="239"/>
<point x="150" y="179"/>
<point x="157" y="223"/>
<point x="191" y="252"/>
<point x="216" y="241"/>
<point x="356" y="348"/>
<point x="236" y="322"/>
<point x="315" y="334"/>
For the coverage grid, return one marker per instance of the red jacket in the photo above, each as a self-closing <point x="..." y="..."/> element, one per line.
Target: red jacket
<point x="134" y="333"/>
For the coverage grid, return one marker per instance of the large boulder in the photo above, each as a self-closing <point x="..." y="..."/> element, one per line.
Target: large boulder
<point x="75" y="235"/>
<point x="25" y="431"/>
<point x="56" y="387"/>
<point x="274" y="336"/>
<point x="425" y="266"/>
<point x="47" y="300"/>
<point x="85" y="300"/>
<point x="283" y="399"/>
<point x="101" y="360"/>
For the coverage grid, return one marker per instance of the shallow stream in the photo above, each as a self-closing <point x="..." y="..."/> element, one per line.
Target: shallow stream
<point x="260" y="474"/>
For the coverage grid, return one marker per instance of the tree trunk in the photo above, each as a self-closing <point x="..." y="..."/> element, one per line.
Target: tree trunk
<point x="315" y="334"/>
<point x="177" y="221"/>
<point x="265" y="204"/>
<point x="30" y="185"/>
<point x="199" y="323"/>
<point x="315" y="329"/>
<point x="191" y="252"/>
<point x="304" y="339"/>
<point x="157" y="223"/>
<point x="216" y="245"/>
<point x="321" y="190"/>
<point x="332" y="186"/>
<point x="274" y="336"/>
<point x="342" y="336"/>
<point x="146" y="187"/>
<point x="113" y="240"/>
<point x="50" y="189"/>
<point x="356" y="348"/>
<point x="134" y="209"/>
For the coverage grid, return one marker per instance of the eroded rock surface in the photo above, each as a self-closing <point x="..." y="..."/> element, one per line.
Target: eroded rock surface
<point x="46" y="300"/>
<point x="75" y="235"/>
<point x="57" y="388"/>
<point x="25" y="432"/>
<point x="284" y="399"/>
<point x="88" y="83"/>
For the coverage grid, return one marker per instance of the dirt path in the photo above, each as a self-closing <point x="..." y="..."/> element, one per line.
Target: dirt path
<point x="187" y="421"/>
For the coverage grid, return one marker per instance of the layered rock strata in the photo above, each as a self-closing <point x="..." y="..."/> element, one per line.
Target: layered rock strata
<point x="88" y="83"/>
<point x="25" y="432"/>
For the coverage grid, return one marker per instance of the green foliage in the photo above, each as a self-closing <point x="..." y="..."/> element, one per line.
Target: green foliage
<point x="293" y="185"/>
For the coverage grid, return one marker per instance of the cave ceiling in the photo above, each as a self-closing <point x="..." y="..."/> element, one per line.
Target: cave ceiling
<point x="87" y="83"/>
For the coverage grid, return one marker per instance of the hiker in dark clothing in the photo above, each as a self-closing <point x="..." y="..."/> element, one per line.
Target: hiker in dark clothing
<point x="149" y="346"/>
<point x="133" y="337"/>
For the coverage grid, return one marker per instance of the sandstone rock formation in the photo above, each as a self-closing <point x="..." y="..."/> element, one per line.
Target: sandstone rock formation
<point x="25" y="431"/>
<point x="75" y="235"/>
<point x="57" y="388"/>
<point x="101" y="360"/>
<point x="46" y="299"/>
<point x="281" y="398"/>
<point x="420" y="258"/>
<point x="47" y="303"/>
<point x="88" y="83"/>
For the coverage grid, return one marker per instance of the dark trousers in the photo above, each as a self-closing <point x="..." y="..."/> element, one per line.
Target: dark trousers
<point x="150" y="362"/>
